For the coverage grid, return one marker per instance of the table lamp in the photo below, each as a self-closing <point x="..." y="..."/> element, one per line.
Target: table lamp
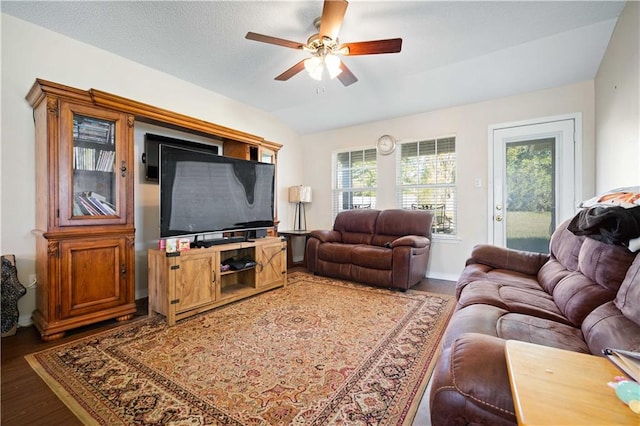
<point x="300" y="194"/>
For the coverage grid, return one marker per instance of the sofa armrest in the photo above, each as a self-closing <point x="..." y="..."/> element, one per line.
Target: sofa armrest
<point x="526" y="262"/>
<point x="326" y="236"/>
<point x="470" y="384"/>
<point x="411" y="241"/>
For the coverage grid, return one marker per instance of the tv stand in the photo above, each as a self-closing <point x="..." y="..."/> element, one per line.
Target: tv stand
<point x="189" y="282"/>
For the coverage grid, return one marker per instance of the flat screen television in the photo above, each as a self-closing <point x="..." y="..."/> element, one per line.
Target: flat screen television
<point x="151" y="155"/>
<point x="204" y="193"/>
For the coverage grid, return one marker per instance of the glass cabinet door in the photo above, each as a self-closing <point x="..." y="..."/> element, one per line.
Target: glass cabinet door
<point x="93" y="162"/>
<point x="267" y="156"/>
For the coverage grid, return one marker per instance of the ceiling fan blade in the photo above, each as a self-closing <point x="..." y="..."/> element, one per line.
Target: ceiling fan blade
<point x="332" y="16"/>
<point x="291" y="71"/>
<point x="273" y="40"/>
<point x="346" y="77"/>
<point x="391" y="45"/>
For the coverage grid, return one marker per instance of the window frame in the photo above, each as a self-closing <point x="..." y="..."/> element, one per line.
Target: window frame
<point x="445" y="221"/>
<point x="336" y="206"/>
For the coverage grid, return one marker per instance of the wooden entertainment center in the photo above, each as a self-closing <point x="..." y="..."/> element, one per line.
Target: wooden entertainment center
<point x="182" y="284"/>
<point x="85" y="253"/>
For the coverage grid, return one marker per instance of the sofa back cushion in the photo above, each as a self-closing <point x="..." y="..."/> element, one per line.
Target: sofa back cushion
<point x="628" y="297"/>
<point x="605" y="264"/>
<point x="394" y="223"/>
<point x="564" y="250"/>
<point x="356" y="226"/>
<point x="582" y="273"/>
<point x="565" y="247"/>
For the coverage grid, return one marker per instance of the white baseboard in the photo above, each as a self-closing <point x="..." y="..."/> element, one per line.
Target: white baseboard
<point x="443" y="276"/>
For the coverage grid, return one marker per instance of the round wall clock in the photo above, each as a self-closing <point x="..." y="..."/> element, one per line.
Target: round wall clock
<point x="386" y="144"/>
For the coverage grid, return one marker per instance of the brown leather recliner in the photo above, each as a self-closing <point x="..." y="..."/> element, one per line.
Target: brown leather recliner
<point x="385" y="248"/>
<point x="583" y="297"/>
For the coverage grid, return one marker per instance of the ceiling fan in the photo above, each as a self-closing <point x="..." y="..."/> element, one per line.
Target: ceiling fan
<point x="325" y="48"/>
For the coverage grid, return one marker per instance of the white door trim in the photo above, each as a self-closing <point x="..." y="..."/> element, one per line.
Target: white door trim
<point x="577" y="159"/>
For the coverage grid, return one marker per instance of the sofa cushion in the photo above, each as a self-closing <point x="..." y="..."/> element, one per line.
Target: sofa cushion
<point x="356" y="226"/>
<point x="498" y="322"/>
<point x="628" y="297"/>
<point x="535" y="302"/>
<point x="527" y="328"/>
<point x="480" y="272"/>
<point x="551" y="274"/>
<point x="607" y="327"/>
<point x="335" y="252"/>
<point x="602" y="268"/>
<point x="605" y="264"/>
<point x="372" y="257"/>
<point x="393" y="223"/>
<point x="565" y="247"/>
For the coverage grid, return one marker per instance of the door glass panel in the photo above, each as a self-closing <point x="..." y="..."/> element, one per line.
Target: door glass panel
<point x="530" y="194"/>
<point x="94" y="183"/>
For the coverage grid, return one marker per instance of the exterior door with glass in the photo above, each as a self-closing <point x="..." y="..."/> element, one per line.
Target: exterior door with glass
<point x="534" y="181"/>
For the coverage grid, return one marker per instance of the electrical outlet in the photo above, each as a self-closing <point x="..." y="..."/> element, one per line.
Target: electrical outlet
<point x="477" y="182"/>
<point x="32" y="280"/>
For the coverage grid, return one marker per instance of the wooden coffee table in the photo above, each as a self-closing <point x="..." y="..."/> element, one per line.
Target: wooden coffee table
<point x="557" y="387"/>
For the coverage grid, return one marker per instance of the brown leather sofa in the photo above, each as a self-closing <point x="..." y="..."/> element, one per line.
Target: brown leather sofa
<point x="386" y="248"/>
<point x="583" y="297"/>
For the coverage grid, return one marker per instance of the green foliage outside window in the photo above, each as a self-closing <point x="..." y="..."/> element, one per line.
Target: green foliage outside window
<point x="355" y="180"/>
<point x="530" y="176"/>
<point x="427" y="180"/>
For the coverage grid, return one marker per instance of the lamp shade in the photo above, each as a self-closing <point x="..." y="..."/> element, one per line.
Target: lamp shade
<point x="300" y="194"/>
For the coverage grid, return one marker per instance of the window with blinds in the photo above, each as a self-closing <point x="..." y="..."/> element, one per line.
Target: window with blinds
<point x="355" y="180"/>
<point x="426" y="180"/>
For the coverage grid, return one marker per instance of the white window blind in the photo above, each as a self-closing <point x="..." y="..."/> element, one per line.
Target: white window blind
<point x="426" y="180"/>
<point x="355" y="180"/>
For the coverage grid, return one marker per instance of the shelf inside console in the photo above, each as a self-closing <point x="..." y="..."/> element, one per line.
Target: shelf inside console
<point x="236" y="290"/>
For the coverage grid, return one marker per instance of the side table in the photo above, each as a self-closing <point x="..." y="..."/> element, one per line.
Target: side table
<point x="294" y="239"/>
<point x="556" y="387"/>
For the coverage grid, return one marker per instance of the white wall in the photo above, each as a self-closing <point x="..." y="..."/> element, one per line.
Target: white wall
<point x="470" y="125"/>
<point x="617" y="105"/>
<point x="30" y="52"/>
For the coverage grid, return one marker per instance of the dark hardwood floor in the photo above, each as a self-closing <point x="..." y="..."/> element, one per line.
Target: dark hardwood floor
<point x="27" y="400"/>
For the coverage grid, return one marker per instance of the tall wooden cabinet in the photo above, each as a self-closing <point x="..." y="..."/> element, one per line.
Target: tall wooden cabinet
<point x="84" y="207"/>
<point x="84" y="210"/>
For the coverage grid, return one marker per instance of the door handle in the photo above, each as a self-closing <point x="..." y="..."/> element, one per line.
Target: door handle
<point x="499" y="218"/>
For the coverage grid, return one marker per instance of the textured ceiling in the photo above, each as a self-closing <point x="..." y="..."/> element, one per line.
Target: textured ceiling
<point x="453" y="52"/>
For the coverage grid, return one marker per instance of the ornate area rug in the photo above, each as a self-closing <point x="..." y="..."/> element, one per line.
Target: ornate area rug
<point x="317" y="352"/>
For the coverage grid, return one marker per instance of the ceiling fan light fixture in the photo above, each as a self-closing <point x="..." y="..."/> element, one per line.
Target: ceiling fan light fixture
<point x="325" y="49"/>
<point x="332" y="63"/>
<point x="313" y="65"/>
<point x="317" y="74"/>
<point x="316" y="64"/>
